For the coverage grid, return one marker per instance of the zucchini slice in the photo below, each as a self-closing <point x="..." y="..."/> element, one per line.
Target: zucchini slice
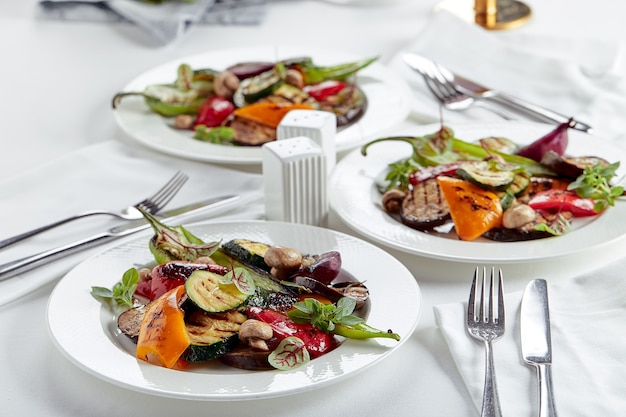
<point x="248" y="252"/>
<point x="482" y="175"/>
<point x="262" y="85"/>
<point x="212" y="335"/>
<point x="519" y="185"/>
<point x="205" y="291"/>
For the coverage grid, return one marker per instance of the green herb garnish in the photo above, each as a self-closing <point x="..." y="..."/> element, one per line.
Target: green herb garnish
<point x="122" y="292"/>
<point x="290" y="353"/>
<point x="219" y="135"/>
<point x="337" y="319"/>
<point x="559" y="226"/>
<point x="594" y="184"/>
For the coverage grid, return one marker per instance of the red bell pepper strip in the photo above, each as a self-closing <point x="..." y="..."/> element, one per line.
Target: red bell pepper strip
<point x="214" y="111"/>
<point x="315" y="341"/>
<point x="323" y="90"/>
<point x="434" y="171"/>
<point x="562" y="200"/>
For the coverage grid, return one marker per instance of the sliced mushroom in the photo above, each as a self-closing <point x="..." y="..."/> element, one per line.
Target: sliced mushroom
<point x="255" y="333"/>
<point x="225" y="84"/>
<point x="392" y="200"/>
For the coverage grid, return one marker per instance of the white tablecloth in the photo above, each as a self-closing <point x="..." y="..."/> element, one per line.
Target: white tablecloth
<point x="59" y="79"/>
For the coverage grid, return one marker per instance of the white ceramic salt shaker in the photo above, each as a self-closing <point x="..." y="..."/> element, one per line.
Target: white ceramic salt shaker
<point x="320" y="126"/>
<point x="295" y="181"/>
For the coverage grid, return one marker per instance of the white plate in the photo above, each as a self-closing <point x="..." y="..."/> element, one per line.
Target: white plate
<point x="387" y="96"/>
<point x="90" y="338"/>
<point x="356" y="200"/>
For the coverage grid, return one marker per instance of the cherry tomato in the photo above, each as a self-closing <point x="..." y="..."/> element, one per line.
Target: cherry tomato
<point x="563" y="200"/>
<point x="323" y="90"/>
<point x="214" y="111"/>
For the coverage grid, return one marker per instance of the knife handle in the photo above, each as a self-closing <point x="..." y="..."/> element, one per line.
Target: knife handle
<point x="546" y="395"/>
<point x="12" y="268"/>
<point x="537" y="112"/>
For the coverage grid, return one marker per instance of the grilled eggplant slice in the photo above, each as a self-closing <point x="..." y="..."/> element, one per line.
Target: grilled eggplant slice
<point x="129" y="321"/>
<point x="424" y="207"/>
<point x="571" y="167"/>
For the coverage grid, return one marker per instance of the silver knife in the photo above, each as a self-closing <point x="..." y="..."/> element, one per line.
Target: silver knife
<point x="12" y="268"/>
<point x="478" y="91"/>
<point x="536" y="341"/>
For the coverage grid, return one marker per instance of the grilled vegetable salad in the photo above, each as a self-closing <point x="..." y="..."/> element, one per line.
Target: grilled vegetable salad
<point x="494" y="188"/>
<point x="247" y="304"/>
<point x="244" y="104"/>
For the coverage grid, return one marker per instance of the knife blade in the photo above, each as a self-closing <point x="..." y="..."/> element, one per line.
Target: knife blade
<point x="536" y="341"/>
<point x="478" y="91"/>
<point x="13" y="268"/>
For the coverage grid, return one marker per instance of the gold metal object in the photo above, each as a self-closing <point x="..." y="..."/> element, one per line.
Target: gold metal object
<point x="502" y="14"/>
<point x="490" y="14"/>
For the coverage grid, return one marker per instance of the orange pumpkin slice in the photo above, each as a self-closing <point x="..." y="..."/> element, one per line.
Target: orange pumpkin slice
<point x="162" y="336"/>
<point x="474" y="210"/>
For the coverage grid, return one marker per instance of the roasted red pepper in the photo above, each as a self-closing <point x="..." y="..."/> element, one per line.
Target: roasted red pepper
<point x="563" y="200"/>
<point x="316" y="341"/>
<point x="434" y="171"/>
<point x="214" y="111"/>
<point x="323" y="90"/>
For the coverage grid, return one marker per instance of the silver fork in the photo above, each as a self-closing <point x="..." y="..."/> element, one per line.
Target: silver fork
<point x="453" y="99"/>
<point x="484" y="324"/>
<point x="151" y="204"/>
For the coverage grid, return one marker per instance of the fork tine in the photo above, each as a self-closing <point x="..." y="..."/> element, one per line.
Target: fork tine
<point x="165" y="194"/>
<point x="483" y="317"/>
<point x="491" y="314"/>
<point x="501" y="314"/>
<point x="471" y="304"/>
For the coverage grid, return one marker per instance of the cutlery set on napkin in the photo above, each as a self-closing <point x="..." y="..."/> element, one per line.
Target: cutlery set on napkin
<point x="580" y="338"/>
<point x="112" y="175"/>
<point x="539" y="78"/>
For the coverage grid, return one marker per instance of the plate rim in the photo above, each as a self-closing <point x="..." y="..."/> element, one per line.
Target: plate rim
<point x="349" y="169"/>
<point x="59" y="333"/>
<point x="155" y="134"/>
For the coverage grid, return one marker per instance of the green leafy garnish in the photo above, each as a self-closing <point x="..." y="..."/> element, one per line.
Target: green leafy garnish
<point x="336" y="318"/>
<point x="122" y="292"/>
<point x="594" y="184"/>
<point x="217" y="135"/>
<point x="399" y="172"/>
<point x="241" y="278"/>
<point x="290" y="353"/>
<point x="559" y="226"/>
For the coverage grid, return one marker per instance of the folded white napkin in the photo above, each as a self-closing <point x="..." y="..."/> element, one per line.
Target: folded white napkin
<point x="588" y="319"/>
<point x="165" y="22"/>
<point x="581" y="78"/>
<point x="110" y="175"/>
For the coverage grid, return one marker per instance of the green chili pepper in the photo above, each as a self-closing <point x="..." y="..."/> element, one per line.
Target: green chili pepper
<point x="442" y="147"/>
<point x="166" y="100"/>
<point x="171" y="243"/>
<point x="314" y="74"/>
<point x="184" y="96"/>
